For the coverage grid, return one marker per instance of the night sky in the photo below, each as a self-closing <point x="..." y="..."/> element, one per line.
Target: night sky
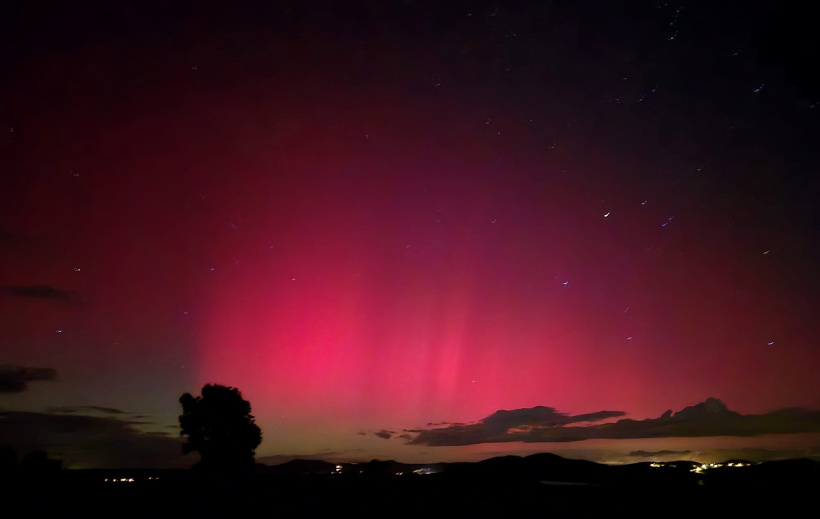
<point x="381" y="219"/>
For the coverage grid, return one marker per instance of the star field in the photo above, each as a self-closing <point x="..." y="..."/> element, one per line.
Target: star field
<point x="376" y="217"/>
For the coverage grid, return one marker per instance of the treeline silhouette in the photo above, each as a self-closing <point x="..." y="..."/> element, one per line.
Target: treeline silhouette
<point x="542" y="484"/>
<point x="227" y="483"/>
<point x="35" y="464"/>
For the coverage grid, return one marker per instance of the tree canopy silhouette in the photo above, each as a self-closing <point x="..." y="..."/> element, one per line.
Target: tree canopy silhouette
<point x="219" y="425"/>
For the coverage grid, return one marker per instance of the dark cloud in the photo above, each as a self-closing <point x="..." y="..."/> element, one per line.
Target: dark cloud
<point x="544" y="424"/>
<point x="91" y="441"/>
<point x="15" y="379"/>
<point x="45" y="292"/>
<point x="384" y="434"/>
<point x="81" y="408"/>
<point x="107" y="410"/>
<point x="656" y="454"/>
<point x="540" y="416"/>
<point x="506" y="425"/>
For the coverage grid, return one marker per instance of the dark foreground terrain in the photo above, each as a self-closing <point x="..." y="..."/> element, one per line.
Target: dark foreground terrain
<point x="542" y="485"/>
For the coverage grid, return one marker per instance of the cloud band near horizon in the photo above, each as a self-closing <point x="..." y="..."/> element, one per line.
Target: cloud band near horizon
<point x="544" y="424"/>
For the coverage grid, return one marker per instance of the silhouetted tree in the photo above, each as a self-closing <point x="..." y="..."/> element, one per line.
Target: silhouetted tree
<point x="37" y="465"/>
<point x="219" y="425"/>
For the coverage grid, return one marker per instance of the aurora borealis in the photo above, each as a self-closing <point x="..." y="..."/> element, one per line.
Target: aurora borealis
<point x="372" y="217"/>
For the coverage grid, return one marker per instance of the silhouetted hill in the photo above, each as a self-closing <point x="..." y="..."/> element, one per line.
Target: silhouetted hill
<point x="299" y="467"/>
<point x="543" y="484"/>
<point x="544" y="466"/>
